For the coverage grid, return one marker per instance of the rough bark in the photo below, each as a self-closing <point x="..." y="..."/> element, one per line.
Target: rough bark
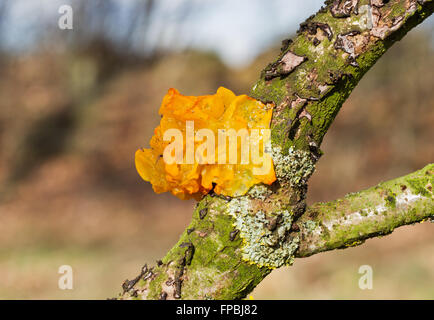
<point x="374" y="212"/>
<point x="233" y="243"/>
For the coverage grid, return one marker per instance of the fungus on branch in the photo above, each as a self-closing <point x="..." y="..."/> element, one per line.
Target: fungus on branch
<point x="200" y="166"/>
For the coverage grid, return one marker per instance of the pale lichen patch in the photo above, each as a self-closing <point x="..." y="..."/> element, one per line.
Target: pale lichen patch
<point x="344" y="8"/>
<point x="323" y="88"/>
<point x="296" y="167"/>
<point x="290" y="61"/>
<point x="208" y="275"/>
<point x="284" y="66"/>
<point x="401" y="201"/>
<point x="384" y="27"/>
<point x="265" y="235"/>
<point x="310" y="225"/>
<point x="260" y="192"/>
<point x="348" y="45"/>
<point x="377" y="3"/>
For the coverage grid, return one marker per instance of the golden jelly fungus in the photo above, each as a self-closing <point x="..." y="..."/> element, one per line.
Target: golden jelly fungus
<point x="215" y="141"/>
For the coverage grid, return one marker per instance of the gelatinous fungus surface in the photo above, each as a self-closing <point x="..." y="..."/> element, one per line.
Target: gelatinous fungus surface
<point x="199" y="119"/>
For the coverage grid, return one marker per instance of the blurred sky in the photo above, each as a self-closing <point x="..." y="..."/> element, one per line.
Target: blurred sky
<point x="238" y="30"/>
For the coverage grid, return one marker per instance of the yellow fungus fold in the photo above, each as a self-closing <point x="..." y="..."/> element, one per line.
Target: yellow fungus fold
<point x="202" y="123"/>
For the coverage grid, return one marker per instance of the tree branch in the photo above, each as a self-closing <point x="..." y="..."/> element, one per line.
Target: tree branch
<point x="233" y="243"/>
<point x="370" y="213"/>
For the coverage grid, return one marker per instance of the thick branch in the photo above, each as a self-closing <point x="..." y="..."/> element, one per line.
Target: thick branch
<point x="221" y="255"/>
<point x="337" y="50"/>
<point x="370" y="213"/>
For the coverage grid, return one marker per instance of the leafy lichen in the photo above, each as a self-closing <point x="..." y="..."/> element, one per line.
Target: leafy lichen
<point x="296" y="167"/>
<point x="265" y="236"/>
<point x="260" y="191"/>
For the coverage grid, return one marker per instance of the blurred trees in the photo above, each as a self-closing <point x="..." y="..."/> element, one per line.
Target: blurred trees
<point x="108" y="37"/>
<point x="3" y="13"/>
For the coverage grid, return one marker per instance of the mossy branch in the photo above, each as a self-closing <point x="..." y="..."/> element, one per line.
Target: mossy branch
<point x="374" y="212"/>
<point x="233" y="243"/>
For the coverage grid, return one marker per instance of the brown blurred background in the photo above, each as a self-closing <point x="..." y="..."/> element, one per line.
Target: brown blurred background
<point x="75" y="105"/>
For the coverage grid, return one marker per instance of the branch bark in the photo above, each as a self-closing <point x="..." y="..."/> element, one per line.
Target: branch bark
<point x="374" y="212"/>
<point x="233" y="243"/>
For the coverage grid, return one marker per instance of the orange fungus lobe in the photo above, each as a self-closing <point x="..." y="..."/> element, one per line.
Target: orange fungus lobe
<point x="208" y="142"/>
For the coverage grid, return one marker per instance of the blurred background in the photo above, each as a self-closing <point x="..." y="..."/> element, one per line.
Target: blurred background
<point x="76" y="104"/>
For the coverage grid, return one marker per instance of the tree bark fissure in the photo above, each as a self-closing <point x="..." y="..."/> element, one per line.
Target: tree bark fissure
<point x="221" y="254"/>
